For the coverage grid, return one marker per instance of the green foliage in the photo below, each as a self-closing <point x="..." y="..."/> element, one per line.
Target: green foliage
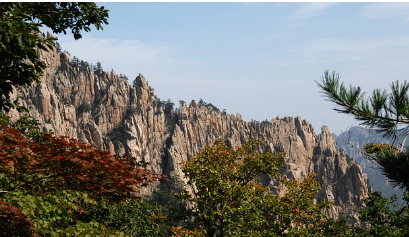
<point x="60" y="184"/>
<point x="388" y="113"/>
<point x="342" y="228"/>
<point x="227" y="196"/>
<point x="208" y="105"/>
<point x="83" y="108"/>
<point x="382" y="110"/>
<point x="21" y="38"/>
<point x="382" y="220"/>
<point x="298" y="214"/>
<point x="92" y="228"/>
<point x="54" y="212"/>
<point x="130" y="216"/>
<point x="13" y="222"/>
<point x="266" y="123"/>
<point x="79" y="213"/>
<point x="172" y="207"/>
<point x="229" y="201"/>
<point x="84" y="65"/>
<point x="394" y="165"/>
<point x="118" y="134"/>
<point x="98" y="69"/>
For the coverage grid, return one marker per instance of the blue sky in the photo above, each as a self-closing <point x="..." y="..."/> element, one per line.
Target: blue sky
<point x="257" y="59"/>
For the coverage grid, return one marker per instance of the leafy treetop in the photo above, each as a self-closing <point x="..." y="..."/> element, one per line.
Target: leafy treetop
<point x="228" y="199"/>
<point x="21" y="38"/>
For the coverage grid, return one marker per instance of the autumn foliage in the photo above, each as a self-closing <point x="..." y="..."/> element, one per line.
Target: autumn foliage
<point x="51" y="185"/>
<point x="376" y="148"/>
<point x="14" y="223"/>
<point x="64" y="163"/>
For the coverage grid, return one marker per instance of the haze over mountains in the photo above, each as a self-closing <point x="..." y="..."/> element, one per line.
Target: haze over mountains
<point x="358" y="137"/>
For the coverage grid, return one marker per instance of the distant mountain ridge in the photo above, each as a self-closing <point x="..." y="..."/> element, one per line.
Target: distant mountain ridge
<point x="359" y="136"/>
<point x="105" y="110"/>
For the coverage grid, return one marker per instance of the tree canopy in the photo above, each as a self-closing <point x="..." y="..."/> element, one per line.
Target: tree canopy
<point x="229" y="200"/>
<point x="21" y="38"/>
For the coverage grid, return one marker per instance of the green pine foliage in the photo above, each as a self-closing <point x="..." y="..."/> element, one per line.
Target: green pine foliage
<point x="387" y="112"/>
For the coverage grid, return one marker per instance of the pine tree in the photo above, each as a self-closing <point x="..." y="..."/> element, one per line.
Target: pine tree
<point x="387" y="112"/>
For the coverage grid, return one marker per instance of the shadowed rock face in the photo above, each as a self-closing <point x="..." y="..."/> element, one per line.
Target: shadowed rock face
<point x="109" y="113"/>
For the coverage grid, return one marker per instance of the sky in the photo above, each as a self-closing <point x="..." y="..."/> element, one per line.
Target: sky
<point x="261" y="60"/>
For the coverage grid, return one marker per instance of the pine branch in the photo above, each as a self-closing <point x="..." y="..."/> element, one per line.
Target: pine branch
<point x="381" y="110"/>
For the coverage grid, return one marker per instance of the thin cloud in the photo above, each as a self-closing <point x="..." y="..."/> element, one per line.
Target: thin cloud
<point x="280" y="4"/>
<point x="381" y="56"/>
<point x="128" y="57"/>
<point x="309" y="10"/>
<point x="356" y="50"/>
<point x="255" y="4"/>
<point x="263" y="4"/>
<point x="112" y="48"/>
<point x="382" y="10"/>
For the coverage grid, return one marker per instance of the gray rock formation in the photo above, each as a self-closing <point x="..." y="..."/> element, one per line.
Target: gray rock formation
<point x="358" y="137"/>
<point x="109" y="113"/>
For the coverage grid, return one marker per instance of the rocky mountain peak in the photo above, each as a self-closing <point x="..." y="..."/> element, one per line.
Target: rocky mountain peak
<point x="327" y="142"/>
<point x="104" y="110"/>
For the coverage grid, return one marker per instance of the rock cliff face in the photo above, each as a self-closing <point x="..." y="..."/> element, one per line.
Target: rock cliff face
<point x="104" y="110"/>
<point x="359" y="137"/>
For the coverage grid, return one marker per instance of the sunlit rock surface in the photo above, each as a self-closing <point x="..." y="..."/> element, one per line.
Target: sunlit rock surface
<point x="111" y="114"/>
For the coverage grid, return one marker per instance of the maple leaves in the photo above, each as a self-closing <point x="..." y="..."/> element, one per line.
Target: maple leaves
<point x="14" y="222"/>
<point x="62" y="186"/>
<point x="64" y="163"/>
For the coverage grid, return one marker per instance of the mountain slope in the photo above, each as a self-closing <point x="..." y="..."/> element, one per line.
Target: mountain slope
<point x="104" y="110"/>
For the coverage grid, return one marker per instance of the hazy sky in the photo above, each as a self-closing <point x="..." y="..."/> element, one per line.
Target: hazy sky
<point x="257" y="59"/>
